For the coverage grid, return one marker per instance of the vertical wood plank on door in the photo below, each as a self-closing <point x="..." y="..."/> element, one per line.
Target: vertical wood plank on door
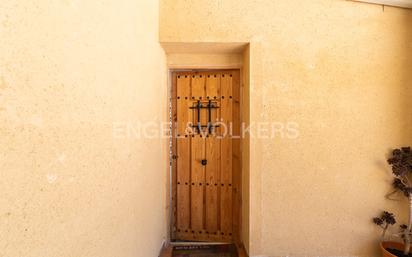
<point x="212" y="181"/>
<point x="226" y="185"/>
<point x="236" y="163"/>
<point x="197" y="184"/>
<point x="213" y="159"/>
<point x="184" y="114"/>
<point x="213" y="86"/>
<point x="226" y="160"/>
<point x="226" y="155"/>
<point x="183" y="183"/>
<point x="213" y="94"/>
<point x="173" y="161"/>
<point x="198" y="86"/>
<point x="183" y="92"/>
<point x="199" y="94"/>
<point x="236" y="105"/>
<point x="226" y="211"/>
<point x="226" y="117"/>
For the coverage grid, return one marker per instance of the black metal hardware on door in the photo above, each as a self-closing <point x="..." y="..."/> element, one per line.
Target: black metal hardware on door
<point x="199" y="127"/>
<point x="204" y="162"/>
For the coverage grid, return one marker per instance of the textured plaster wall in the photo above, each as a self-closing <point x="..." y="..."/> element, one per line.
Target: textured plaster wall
<point x="341" y="70"/>
<point x="70" y="70"/>
<point x="215" y="61"/>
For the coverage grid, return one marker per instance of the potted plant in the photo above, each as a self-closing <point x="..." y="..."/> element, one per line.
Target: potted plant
<point x="401" y="163"/>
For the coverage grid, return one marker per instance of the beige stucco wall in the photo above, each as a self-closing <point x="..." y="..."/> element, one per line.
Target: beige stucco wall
<point x="205" y="61"/>
<point x="71" y="72"/>
<point x="338" y="69"/>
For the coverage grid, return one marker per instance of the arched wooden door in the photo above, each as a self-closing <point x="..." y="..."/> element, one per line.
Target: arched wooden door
<point x="206" y="155"/>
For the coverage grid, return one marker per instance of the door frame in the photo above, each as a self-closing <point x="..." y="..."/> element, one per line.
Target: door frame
<point x="172" y="167"/>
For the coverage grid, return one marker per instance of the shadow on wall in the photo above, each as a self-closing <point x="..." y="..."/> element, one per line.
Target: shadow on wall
<point x="406" y="76"/>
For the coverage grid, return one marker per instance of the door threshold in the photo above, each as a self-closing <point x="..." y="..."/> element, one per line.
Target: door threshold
<point x="178" y="243"/>
<point x="167" y="250"/>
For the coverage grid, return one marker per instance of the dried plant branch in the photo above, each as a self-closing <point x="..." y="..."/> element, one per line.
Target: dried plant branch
<point x="388" y="195"/>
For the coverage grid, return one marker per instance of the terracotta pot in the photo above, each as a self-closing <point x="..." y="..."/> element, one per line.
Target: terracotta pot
<point x="390" y="244"/>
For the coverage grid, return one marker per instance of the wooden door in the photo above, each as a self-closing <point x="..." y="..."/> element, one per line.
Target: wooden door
<point x="206" y="155"/>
